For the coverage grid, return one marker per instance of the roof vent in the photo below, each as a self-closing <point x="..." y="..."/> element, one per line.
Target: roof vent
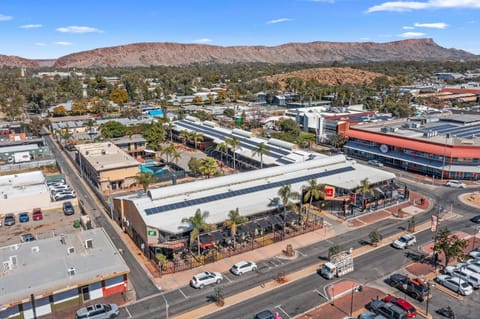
<point x="62" y="239"/>
<point x="71" y="271"/>
<point x="13" y="260"/>
<point x="35" y="249"/>
<point x="70" y="250"/>
<point x="89" y="243"/>
<point x="103" y="152"/>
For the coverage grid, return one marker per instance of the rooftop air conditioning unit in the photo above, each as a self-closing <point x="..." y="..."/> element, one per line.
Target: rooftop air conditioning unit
<point x="89" y="243"/>
<point x="13" y="260"/>
<point x="70" y="250"/>
<point x="71" y="271"/>
<point x="35" y="249"/>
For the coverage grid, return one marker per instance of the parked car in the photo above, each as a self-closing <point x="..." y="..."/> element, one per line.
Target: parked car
<point x="27" y="237"/>
<point x="474" y="253"/>
<point x="56" y="181"/>
<point x="98" y="311"/>
<point x="469" y="267"/>
<point x="61" y="195"/>
<point x="455" y="284"/>
<point x="370" y="315"/>
<point x="402" y="303"/>
<point x="475" y="219"/>
<point x="405" y="241"/>
<point x="243" y="267"/>
<point x="414" y="287"/>
<point x="456" y="184"/>
<point x="64" y="197"/>
<point x="387" y="309"/>
<point x="206" y="278"/>
<point x="375" y="163"/>
<point x="37" y="214"/>
<point x="68" y="208"/>
<point x="23" y="217"/>
<point x="9" y="220"/>
<point x="465" y="274"/>
<point x="265" y="314"/>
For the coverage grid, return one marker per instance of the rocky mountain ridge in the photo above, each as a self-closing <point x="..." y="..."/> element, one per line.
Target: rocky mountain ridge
<point x="175" y="54"/>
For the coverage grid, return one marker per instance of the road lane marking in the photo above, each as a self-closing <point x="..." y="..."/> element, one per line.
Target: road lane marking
<point x="225" y="276"/>
<point x="319" y="293"/>
<point x="186" y="297"/>
<point x="304" y="255"/>
<point x="280" y="308"/>
<point x="129" y="314"/>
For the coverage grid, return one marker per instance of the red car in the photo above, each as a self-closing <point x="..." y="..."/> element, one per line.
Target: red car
<point x="402" y="303"/>
<point x="37" y="214"/>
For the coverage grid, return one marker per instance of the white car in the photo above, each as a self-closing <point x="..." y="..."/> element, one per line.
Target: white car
<point x="474" y="253"/>
<point x="465" y="274"/>
<point x="405" y="241"/>
<point x="243" y="267"/>
<point x="456" y="184"/>
<point x="206" y="278"/>
<point x="375" y="163"/>
<point x="455" y="284"/>
<point x="469" y="267"/>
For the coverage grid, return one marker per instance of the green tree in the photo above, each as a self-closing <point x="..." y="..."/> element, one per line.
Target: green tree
<point x="222" y="148"/>
<point x="450" y="245"/>
<point x="145" y="179"/>
<point x="229" y="113"/>
<point x="59" y="111"/>
<point x="119" y="96"/>
<point x="197" y="100"/>
<point x="313" y="190"/>
<point x="208" y="166"/>
<point x="234" y="143"/>
<point x="90" y="123"/>
<point x="289" y="126"/>
<point x="112" y="129"/>
<point x="169" y="127"/>
<point x="374" y="237"/>
<point x="184" y="136"/>
<point x="337" y="140"/>
<point x="260" y="150"/>
<point x="169" y="151"/>
<point x="364" y="188"/>
<point x="198" y="223"/>
<point x="333" y="250"/>
<point x="154" y="133"/>
<point x="234" y="219"/>
<point x="285" y="192"/>
<point x="195" y="137"/>
<point x="194" y="166"/>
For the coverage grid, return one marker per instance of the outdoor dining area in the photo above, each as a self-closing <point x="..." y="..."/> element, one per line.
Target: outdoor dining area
<point x="255" y="233"/>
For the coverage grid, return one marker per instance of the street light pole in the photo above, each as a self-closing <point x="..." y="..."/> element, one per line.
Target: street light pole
<point x="428" y="298"/>
<point x="354" y="288"/>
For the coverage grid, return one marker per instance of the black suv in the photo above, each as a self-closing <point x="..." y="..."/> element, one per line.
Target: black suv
<point x="68" y="208"/>
<point x="266" y="314"/>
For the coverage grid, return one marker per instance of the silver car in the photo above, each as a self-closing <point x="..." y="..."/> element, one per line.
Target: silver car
<point x="98" y="311"/>
<point x="243" y="267"/>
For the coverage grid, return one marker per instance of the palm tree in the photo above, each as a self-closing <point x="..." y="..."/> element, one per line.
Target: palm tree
<point x="313" y="190"/>
<point x="184" y="136"/>
<point x="234" y="218"/>
<point x="168" y="150"/>
<point x="169" y="127"/>
<point x="364" y="188"/>
<point x="208" y="166"/>
<point x="234" y="143"/>
<point x="262" y="149"/>
<point x="285" y="192"/>
<point x="145" y="179"/>
<point x="198" y="223"/>
<point x="222" y="148"/>
<point x="195" y="137"/>
<point x="90" y="123"/>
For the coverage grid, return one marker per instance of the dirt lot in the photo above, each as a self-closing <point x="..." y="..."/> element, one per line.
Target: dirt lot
<point x="472" y="199"/>
<point x="54" y="222"/>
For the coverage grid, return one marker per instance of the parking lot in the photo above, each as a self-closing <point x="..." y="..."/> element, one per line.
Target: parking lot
<point x="54" y="222"/>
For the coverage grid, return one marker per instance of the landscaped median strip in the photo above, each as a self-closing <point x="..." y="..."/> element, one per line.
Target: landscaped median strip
<point x="273" y="284"/>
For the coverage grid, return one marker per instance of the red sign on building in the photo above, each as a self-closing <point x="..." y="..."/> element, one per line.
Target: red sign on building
<point x="329" y="192"/>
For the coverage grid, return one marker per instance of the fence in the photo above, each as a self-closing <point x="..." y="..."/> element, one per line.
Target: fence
<point x="190" y="261"/>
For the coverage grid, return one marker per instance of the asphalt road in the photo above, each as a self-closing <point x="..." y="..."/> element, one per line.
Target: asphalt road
<point x="300" y="296"/>
<point x="142" y="285"/>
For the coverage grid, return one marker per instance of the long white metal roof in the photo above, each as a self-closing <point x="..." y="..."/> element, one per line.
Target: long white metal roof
<point x="250" y="192"/>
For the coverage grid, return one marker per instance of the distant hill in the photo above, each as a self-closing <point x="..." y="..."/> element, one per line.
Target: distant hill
<point x="327" y="76"/>
<point x="170" y="54"/>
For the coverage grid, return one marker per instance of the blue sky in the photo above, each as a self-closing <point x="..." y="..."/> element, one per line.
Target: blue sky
<point x="43" y="29"/>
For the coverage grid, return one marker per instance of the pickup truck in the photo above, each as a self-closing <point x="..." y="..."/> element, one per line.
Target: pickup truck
<point x="414" y="287"/>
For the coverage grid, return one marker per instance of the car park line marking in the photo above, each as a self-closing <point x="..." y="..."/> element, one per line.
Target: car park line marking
<point x="298" y="251"/>
<point x="280" y="308"/>
<point x="128" y="311"/>
<point x="186" y="297"/>
<point x="319" y="293"/>
<point x="279" y="260"/>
